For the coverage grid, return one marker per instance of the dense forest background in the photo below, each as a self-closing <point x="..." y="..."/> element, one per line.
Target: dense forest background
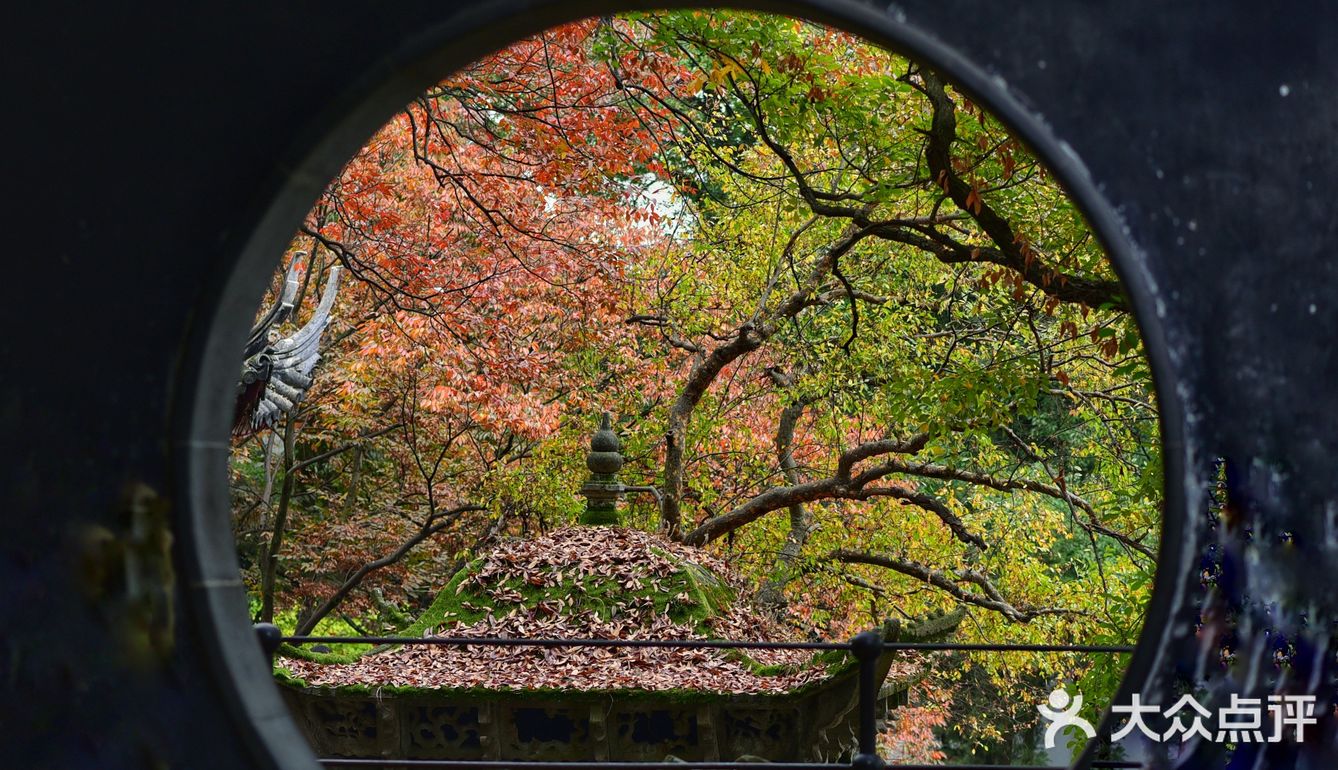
<point x="858" y="336"/>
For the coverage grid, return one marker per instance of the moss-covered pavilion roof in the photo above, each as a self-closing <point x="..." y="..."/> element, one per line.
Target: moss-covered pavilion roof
<point x="586" y="582"/>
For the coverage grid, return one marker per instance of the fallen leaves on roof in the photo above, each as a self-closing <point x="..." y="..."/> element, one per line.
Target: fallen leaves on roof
<point x="538" y="589"/>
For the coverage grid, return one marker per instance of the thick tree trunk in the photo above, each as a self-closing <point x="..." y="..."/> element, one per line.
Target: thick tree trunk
<point x="268" y="492"/>
<point x="699" y="380"/>
<point x="748" y="338"/>
<point x="270" y="564"/>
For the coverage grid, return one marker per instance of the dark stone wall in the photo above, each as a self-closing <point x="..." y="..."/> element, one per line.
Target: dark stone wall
<point x="156" y="155"/>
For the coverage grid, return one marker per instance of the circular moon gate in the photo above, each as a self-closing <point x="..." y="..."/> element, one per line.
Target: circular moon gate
<point x="1208" y="174"/>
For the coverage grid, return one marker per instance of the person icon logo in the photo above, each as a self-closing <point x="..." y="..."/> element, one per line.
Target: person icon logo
<point x="1063" y="712"/>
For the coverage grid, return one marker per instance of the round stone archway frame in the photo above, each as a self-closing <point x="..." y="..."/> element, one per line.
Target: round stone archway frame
<point x="1197" y="140"/>
<point x="407" y="72"/>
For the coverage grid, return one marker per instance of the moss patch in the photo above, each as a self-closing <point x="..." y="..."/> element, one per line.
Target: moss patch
<point x="447" y="604"/>
<point x="690" y="595"/>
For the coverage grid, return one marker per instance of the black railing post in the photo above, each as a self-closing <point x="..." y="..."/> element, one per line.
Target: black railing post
<point x="866" y="648"/>
<point x="270" y="638"/>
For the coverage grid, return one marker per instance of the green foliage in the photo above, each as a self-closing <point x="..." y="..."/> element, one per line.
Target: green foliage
<point x="286" y="620"/>
<point x="1037" y="412"/>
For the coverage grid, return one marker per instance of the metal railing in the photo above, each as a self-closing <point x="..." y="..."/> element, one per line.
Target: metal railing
<point x="865" y="647"/>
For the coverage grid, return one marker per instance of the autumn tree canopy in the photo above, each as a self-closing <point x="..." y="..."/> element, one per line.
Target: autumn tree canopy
<point x="850" y="326"/>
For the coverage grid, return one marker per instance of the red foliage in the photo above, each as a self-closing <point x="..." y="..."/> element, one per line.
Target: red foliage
<point x="910" y="736"/>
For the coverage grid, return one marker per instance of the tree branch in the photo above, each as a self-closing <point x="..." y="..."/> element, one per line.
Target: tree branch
<point x="345" y="447"/>
<point x="990" y="599"/>
<point x="928" y="470"/>
<point x="427" y="529"/>
<point x="842" y="485"/>
<point x="1013" y="252"/>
